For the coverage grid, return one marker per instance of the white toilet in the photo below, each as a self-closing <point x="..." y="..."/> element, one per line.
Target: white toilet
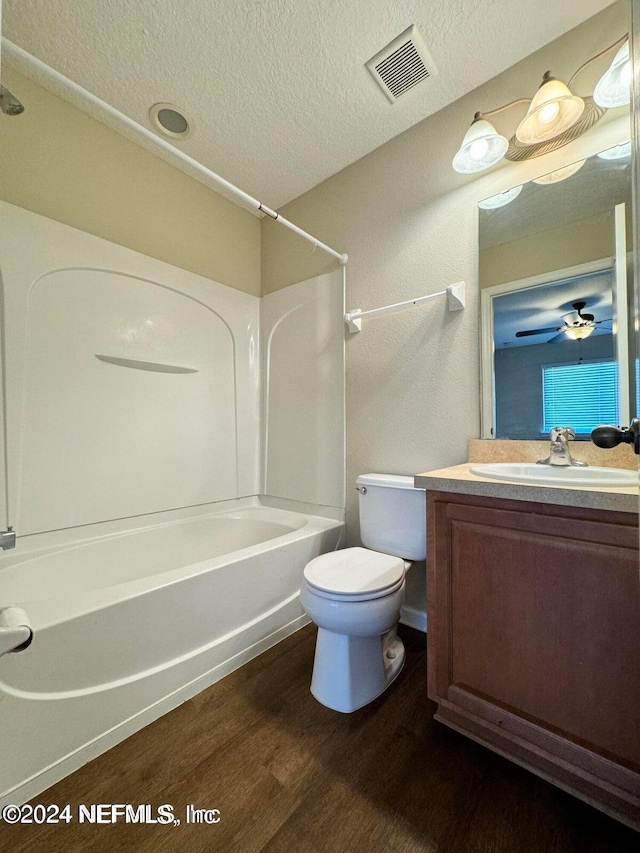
<point x="354" y="596"/>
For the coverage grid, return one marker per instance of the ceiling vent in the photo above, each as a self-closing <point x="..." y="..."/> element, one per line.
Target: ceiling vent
<point x="402" y="64"/>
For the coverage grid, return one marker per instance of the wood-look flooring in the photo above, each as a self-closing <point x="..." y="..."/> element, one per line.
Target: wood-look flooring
<point x="289" y="775"/>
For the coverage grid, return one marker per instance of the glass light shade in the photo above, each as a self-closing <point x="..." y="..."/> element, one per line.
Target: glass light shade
<point x="552" y="111"/>
<point x="614" y="87"/>
<point x="560" y="174"/>
<point x="618" y="152"/>
<point x="500" y="199"/>
<point x="579" y="333"/>
<point x="481" y="148"/>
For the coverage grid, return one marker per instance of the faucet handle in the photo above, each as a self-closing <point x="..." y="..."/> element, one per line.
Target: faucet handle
<point x="559" y="431"/>
<point x="608" y="436"/>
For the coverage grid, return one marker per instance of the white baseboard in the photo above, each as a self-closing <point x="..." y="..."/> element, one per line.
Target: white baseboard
<point x="414" y="618"/>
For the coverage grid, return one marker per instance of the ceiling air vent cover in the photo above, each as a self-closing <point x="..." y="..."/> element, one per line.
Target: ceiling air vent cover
<point x="402" y="64"/>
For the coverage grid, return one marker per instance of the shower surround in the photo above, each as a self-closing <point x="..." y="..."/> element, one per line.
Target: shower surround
<point x="174" y="456"/>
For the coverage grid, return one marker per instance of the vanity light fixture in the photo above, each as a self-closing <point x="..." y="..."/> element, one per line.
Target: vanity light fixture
<point x="618" y="152"/>
<point x="555" y="117"/>
<point x="552" y="111"/>
<point x="613" y="88"/>
<point x="560" y="174"/>
<point x="481" y="147"/>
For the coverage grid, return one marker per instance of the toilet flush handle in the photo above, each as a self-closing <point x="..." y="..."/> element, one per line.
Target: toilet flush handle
<point x="361" y="489"/>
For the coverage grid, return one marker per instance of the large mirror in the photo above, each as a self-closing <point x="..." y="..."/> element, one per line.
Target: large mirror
<point x="554" y="265"/>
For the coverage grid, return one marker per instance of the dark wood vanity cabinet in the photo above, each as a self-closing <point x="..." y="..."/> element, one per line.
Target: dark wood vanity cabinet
<point x="534" y="638"/>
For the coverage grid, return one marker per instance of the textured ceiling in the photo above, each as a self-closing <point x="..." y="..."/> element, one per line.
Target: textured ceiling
<point x="278" y="89"/>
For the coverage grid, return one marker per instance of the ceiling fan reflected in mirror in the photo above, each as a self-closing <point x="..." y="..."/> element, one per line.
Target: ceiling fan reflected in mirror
<point x="576" y="326"/>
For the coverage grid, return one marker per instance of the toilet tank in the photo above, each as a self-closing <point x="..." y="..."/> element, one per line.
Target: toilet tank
<point x="393" y="515"/>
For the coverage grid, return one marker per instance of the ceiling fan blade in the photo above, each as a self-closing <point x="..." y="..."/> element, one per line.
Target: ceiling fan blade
<point x="527" y="332"/>
<point x="557" y="338"/>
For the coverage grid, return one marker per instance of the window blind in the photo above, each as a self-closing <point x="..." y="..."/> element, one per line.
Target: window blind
<point x="581" y="396"/>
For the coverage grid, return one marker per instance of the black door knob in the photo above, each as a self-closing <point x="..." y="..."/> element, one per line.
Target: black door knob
<point x="610" y="436"/>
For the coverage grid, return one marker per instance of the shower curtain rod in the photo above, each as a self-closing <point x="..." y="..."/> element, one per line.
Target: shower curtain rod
<point x="38" y="70"/>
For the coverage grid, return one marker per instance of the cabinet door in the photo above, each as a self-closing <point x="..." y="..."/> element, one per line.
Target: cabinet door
<point x="534" y="630"/>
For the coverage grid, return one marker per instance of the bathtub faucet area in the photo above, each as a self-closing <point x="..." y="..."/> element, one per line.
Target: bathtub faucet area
<point x="8" y="539"/>
<point x="16" y="632"/>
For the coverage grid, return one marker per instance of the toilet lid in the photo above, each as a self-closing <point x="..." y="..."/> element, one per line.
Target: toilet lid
<point x="354" y="570"/>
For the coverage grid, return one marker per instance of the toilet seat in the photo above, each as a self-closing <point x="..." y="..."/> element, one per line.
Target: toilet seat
<point x="355" y="574"/>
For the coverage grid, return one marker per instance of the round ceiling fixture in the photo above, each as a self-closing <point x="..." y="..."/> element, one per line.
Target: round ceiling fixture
<point x="171" y="121"/>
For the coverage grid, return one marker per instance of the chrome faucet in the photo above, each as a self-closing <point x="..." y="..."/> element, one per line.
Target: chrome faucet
<point x="559" y="451"/>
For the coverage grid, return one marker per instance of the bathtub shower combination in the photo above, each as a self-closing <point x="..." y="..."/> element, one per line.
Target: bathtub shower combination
<point x="174" y="457"/>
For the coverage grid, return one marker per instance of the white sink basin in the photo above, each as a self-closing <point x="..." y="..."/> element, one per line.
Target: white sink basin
<point x="555" y="475"/>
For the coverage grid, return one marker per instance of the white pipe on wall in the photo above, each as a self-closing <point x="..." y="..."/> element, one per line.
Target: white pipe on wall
<point x="37" y="69"/>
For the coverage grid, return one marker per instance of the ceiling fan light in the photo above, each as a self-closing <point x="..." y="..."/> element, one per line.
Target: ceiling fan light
<point x="482" y="147"/>
<point x="553" y="110"/>
<point x="579" y="333"/>
<point x="613" y="89"/>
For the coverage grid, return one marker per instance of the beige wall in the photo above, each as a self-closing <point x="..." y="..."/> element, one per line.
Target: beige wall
<point x="579" y="242"/>
<point x="409" y="224"/>
<point x="59" y="162"/>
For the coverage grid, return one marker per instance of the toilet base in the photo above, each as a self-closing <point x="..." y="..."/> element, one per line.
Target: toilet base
<point x="349" y="672"/>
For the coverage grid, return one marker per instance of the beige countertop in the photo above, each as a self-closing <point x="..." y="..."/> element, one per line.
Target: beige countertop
<point x="459" y="479"/>
<point x="514" y="450"/>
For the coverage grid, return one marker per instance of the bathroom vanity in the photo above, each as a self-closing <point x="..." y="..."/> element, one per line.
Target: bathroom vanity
<point x="534" y="628"/>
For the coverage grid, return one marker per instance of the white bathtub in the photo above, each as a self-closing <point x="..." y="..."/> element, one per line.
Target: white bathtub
<point x="132" y="619"/>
